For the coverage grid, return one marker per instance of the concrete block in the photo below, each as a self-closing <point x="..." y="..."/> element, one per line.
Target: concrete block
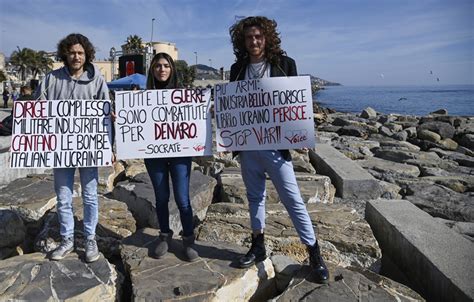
<point x="350" y="179"/>
<point x="437" y="261"/>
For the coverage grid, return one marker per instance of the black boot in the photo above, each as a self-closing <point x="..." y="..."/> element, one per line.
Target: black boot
<point x="317" y="263"/>
<point x="164" y="240"/>
<point x="190" y="248"/>
<point x="256" y="253"/>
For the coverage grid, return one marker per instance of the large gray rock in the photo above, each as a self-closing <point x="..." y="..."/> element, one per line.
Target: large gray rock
<point x="115" y="223"/>
<point x="30" y="197"/>
<point x="436" y="261"/>
<point x="12" y="233"/>
<point x="440" y="201"/>
<point x="345" y="238"/>
<point x="445" y="130"/>
<point x="313" y="188"/>
<point x="32" y="277"/>
<point x="388" y="167"/>
<point x="346" y="284"/>
<point x="300" y="161"/>
<point x="350" y="179"/>
<point x="212" y="278"/>
<point x="139" y="196"/>
<point x="401" y="156"/>
<point x="368" y="113"/>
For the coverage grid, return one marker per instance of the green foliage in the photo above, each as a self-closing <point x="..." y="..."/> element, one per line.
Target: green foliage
<point x="134" y="45"/>
<point x="29" y="60"/>
<point x="23" y="60"/>
<point x="186" y="74"/>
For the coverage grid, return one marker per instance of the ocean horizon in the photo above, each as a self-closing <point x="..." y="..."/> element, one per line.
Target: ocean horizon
<point x="406" y="100"/>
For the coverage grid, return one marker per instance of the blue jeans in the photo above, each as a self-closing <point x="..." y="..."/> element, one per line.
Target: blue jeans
<point x="179" y="168"/>
<point x="63" y="185"/>
<point x="254" y="164"/>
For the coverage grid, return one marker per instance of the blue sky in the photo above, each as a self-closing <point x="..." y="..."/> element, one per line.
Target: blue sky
<point x="377" y="42"/>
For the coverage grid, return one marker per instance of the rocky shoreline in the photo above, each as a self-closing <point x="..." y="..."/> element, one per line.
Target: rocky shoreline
<point x="428" y="161"/>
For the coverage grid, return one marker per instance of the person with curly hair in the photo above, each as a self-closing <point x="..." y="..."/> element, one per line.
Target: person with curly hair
<point x="258" y="53"/>
<point x="77" y="79"/>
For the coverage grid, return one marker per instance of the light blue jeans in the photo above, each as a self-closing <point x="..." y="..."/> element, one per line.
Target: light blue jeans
<point x="63" y="185"/>
<point x="254" y="164"/>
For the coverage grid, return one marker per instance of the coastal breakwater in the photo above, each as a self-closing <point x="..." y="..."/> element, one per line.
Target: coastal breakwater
<point x="397" y="155"/>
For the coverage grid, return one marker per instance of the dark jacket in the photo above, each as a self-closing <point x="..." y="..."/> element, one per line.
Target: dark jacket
<point x="286" y="68"/>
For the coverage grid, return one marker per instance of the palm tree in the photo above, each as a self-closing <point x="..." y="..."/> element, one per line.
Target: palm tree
<point x="22" y="59"/>
<point x="134" y="45"/>
<point x="41" y="63"/>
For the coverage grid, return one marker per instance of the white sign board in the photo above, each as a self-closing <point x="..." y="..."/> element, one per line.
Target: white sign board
<point x="163" y="123"/>
<point x="264" y="114"/>
<point x="61" y="133"/>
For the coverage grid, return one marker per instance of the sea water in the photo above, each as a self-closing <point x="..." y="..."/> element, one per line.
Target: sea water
<point x="407" y="100"/>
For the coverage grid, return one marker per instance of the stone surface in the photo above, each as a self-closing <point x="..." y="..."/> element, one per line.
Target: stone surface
<point x="12" y="233"/>
<point x="115" y="223"/>
<point x="428" y="135"/>
<point x="350" y="180"/>
<point x="106" y="180"/>
<point x="139" y="196"/>
<point x="300" y="161"/>
<point x="437" y="261"/>
<point x="464" y="228"/>
<point x="440" y="201"/>
<point x="401" y="156"/>
<point x="313" y="188"/>
<point x="30" y="197"/>
<point x="445" y="130"/>
<point x="32" y="277"/>
<point x="389" y="167"/>
<point x="212" y="278"/>
<point x="345" y="238"/>
<point x="346" y="284"/>
<point x="368" y="113"/>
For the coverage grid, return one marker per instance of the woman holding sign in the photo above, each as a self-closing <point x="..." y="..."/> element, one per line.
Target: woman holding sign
<point x="256" y="45"/>
<point x="162" y="75"/>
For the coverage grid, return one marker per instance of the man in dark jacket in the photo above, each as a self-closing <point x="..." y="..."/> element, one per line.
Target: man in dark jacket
<point x="257" y="49"/>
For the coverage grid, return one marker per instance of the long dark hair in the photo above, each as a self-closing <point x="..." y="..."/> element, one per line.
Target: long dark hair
<point x="171" y="83"/>
<point x="273" y="49"/>
<point x="65" y="44"/>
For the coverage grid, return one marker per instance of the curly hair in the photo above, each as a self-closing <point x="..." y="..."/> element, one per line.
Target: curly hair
<point x="153" y="83"/>
<point x="273" y="49"/>
<point x="65" y="44"/>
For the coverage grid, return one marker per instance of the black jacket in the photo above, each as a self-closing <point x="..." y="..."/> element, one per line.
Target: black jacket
<point x="286" y="68"/>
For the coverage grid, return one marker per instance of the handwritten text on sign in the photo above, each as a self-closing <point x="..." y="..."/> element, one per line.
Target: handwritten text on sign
<point x="264" y="114"/>
<point x="61" y="133"/>
<point x="163" y="123"/>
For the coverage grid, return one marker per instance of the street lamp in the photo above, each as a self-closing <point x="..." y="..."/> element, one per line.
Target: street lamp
<point x="152" y="21"/>
<point x="210" y="63"/>
<point x="196" y="58"/>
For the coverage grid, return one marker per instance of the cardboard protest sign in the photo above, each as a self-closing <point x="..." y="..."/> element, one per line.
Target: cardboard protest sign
<point x="61" y="133"/>
<point x="264" y="114"/>
<point x="163" y="123"/>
